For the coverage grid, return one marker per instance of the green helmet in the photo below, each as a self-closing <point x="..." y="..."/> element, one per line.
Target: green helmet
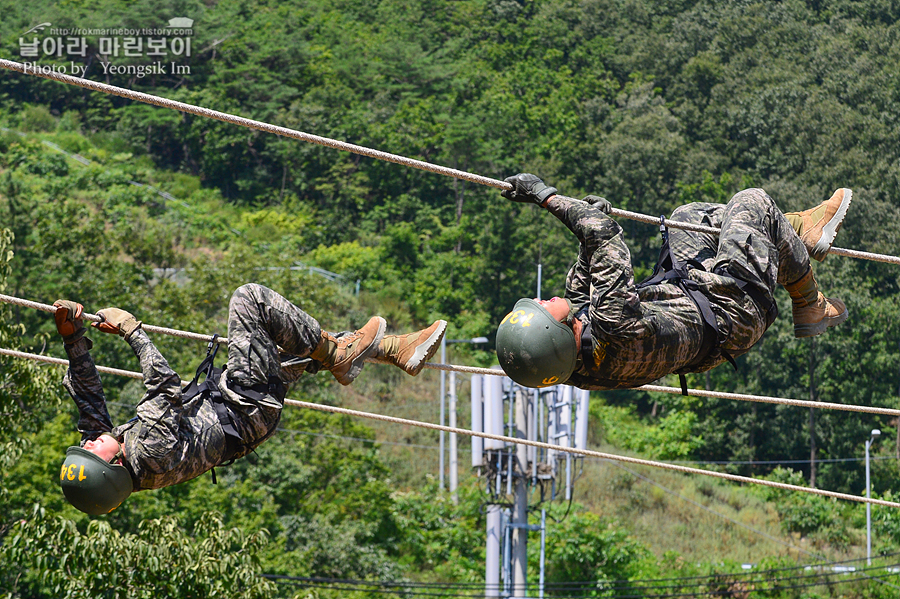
<point x="91" y="484"/>
<point x="535" y="349"/>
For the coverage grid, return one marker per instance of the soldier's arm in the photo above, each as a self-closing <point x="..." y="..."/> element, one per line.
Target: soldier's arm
<point x="603" y="270"/>
<point x="82" y="381"/>
<point x="160" y="410"/>
<point x="578" y="282"/>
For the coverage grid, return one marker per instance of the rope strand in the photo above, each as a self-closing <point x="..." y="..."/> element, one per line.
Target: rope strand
<point x="353" y="148"/>
<point x="510" y="440"/>
<point x="8" y="299"/>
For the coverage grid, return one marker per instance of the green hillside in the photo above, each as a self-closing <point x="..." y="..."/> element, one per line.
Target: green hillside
<point x="649" y="104"/>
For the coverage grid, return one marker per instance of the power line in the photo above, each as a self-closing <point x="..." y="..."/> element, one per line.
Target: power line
<point x="688" y="582"/>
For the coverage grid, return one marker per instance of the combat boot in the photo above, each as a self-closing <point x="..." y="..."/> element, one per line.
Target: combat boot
<point x="812" y="311"/>
<point x="818" y="226"/>
<point x="411" y="351"/>
<point x="345" y="355"/>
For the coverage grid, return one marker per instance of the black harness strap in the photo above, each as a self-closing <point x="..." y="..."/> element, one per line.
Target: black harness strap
<point x="669" y="270"/>
<point x="234" y="442"/>
<point x="587" y="354"/>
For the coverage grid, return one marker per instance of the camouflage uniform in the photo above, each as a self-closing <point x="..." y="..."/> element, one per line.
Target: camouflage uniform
<point x="641" y="335"/>
<point x="170" y="441"/>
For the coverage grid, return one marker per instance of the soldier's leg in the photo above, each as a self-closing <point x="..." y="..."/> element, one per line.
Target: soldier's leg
<point x="691" y="245"/>
<point x="759" y="245"/>
<point x="260" y="320"/>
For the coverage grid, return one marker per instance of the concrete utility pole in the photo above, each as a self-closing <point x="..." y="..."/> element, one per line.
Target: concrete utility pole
<point x="492" y="549"/>
<point x="443" y="401"/>
<point x="510" y="469"/>
<point x="875" y="434"/>
<point x="441" y="467"/>
<point x="454" y="462"/>
<point x="520" y="504"/>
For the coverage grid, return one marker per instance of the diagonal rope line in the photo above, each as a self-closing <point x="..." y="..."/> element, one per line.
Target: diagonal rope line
<point x="773" y="400"/>
<point x="16" y="301"/>
<point x="353" y="148"/>
<point x="511" y="440"/>
<point x="495" y="372"/>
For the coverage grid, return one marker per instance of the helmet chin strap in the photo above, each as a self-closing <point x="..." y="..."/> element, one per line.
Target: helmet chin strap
<point x="570" y="318"/>
<point x="120" y="454"/>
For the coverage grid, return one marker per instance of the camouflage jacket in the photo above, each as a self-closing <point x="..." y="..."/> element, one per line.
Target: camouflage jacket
<point x="641" y="335"/>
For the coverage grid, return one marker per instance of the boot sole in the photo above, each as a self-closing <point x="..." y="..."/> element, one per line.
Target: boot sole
<point x="357" y="364"/>
<point x="829" y="231"/>
<point x="425" y="350"/>
<point x="811" y="330"/>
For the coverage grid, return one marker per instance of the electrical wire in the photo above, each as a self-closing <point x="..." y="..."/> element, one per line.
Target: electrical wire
<point x="630" y="587"/>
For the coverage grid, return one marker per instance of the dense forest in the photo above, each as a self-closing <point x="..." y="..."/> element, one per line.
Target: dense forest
<point x="650" y="104"/>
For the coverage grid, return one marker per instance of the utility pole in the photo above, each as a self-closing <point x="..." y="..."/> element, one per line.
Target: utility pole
<point x="512" y="471"/>
<point x="443" y="401"/>
<point x="520" y="503"/>
<point x="454" y="470"/>
<point x="492" y="549"/>
<point x="454" y="466"/>
<point x="874" y="434"/>
<point x="813" y="396"/>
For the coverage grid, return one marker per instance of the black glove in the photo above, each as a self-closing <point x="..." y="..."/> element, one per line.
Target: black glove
<point x="527" y="188"/>
<point x="601" y="203"/>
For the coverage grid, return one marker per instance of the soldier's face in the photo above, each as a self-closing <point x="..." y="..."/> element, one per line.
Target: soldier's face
<point x="557" y="307"/>
<point x="104" y="447"/>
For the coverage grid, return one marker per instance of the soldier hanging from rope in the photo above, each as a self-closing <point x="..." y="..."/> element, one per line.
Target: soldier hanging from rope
<point x="177" y="436"/>
<point x="710" y="299"/>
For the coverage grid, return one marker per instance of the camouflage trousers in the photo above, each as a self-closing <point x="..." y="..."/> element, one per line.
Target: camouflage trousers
<point x="756" y="245"/>
<point x="259" y="322"/>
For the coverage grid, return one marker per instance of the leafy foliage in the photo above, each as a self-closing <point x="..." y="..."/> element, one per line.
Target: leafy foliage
<point x="650" y="104"/>
<point x="102" y="562"/>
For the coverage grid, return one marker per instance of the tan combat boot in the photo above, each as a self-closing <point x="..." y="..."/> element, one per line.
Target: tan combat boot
<point x="818" y="226"/>
<point x="344" y="356"/>
<point x="411" y="351"/>
<point x="813" y="312"/>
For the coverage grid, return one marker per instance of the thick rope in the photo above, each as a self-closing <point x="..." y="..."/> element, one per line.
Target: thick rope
<point x="249" y="123"/>
<point x="588" y="453"/>
<point x="511" y="440"/>
<point x="496" y="372"/>
<point x="7" y="299"/>
<point x="774" y="400"/>
<point x="59" y="361"/>
<point x="353" y="148"/>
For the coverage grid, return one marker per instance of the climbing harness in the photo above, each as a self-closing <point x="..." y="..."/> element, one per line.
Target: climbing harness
<point x="235" y="444"/>
<point x="669" y="269"/>
<point x="209" y="390"/>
